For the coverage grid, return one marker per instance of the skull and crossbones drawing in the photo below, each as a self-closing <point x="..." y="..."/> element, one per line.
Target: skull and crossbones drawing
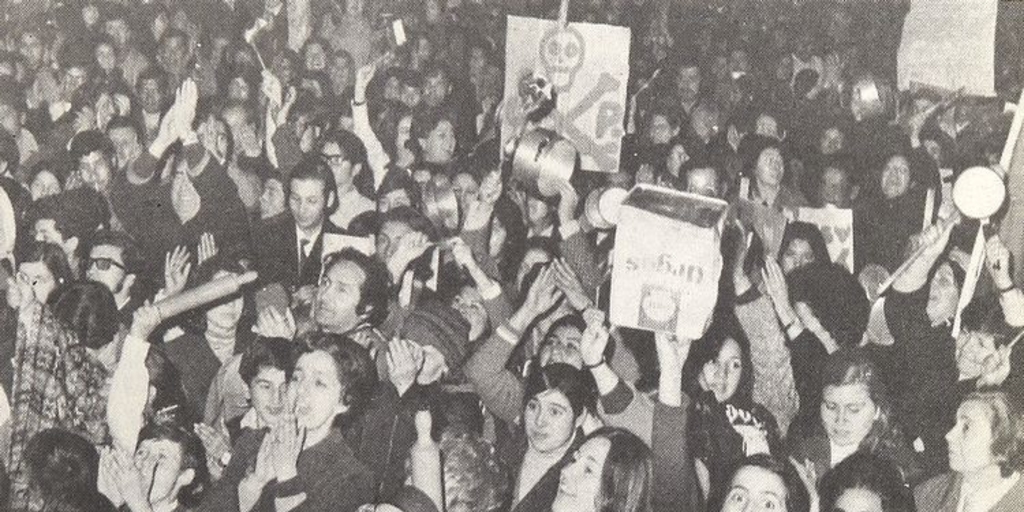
<point x="562" y="52"/>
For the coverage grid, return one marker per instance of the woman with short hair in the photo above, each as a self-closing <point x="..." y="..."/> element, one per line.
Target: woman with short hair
<point x="986" y="456"/>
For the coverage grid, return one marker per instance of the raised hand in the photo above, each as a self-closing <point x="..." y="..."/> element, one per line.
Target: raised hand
<point x="672" y="351"/>
<point x="188" y="99"/>
<point x="595" y="338"/>
<point x="544" y="293"/>
<point x="217" y="446"/>
<point x="364" y="76"/>
<point x="480" y="208"/>
<point x="144" y="320"/>
<point x="130" y="477"/>
<point x="274" y="323"/>
<point x="462" y="253"/>
<point x="567" y="281"/>
<point x="775" y="282"/>
<point x="177" y="266"/>
<point x="207" y="248"/>
<point x="286" y="105"/>
<point x="568" y="200"/>
<point x="997" y="261"/>
<point x="405" y="360"/>
<point x="288" y="437"/>
<point x="408" y="247"/>
<point x="271" y="88"/>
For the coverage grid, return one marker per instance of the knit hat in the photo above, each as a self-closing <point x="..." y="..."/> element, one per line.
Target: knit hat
<point x="434" y="324"/>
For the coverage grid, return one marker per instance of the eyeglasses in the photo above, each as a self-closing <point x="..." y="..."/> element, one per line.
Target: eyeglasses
<point x="105" y="263"/>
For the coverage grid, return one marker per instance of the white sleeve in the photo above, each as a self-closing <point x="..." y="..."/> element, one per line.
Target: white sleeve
<point x="129" y="391"/>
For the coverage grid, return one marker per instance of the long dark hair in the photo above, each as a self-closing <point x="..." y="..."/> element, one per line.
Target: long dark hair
<point x="724" y="327"/>
<point x="50" y="255"/>
<point x="88" y="309"/>
<point x="873" y="473"/>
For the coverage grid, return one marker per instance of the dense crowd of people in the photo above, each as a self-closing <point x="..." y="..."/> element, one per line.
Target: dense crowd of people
<point x="382" y="349"/>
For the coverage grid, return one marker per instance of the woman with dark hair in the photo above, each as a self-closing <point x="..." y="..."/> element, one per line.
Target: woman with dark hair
<point x="556" y="398"/>
<point x="41" y="268"/>
<point x="986" y="457"/>
<point x="802" y="244"/>
<point x="610" y="472"/>
<point x="892" y="208"/>
<point x="304" y="461"/>
<point x="202" y="349"/>
<point x="60" y="461"/>
<point x="855" y="416"/>
<point x="865" y="483"/>
<point x="725" y="424"/>
<point x="433" y="140"/>
<point x="763" y="482"/>
<point x="62" y="365"/>
<point x="717" y="419"/>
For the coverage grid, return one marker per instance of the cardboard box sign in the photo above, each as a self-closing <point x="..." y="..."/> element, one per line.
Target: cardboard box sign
<point x="667" y="261"/>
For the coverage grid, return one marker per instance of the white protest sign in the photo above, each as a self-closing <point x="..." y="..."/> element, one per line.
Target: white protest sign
<point x="667" y="261"/>
<point x="949" y="44"/>
<point x="588" y="66"/>
<point x="836" y="226"/>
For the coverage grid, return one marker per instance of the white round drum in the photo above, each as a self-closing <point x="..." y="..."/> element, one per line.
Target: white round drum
<point x="979" y="192"/>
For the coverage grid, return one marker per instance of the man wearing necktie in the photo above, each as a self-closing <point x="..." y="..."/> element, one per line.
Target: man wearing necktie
<point x="290" y="246"/>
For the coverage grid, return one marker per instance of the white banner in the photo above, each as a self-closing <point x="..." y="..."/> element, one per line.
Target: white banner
<point x="949" y="44"/>
<point x="588" y="67"/>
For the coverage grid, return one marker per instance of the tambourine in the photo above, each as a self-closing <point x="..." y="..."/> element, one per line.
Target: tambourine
<point x="441" y="207"/>
<point x="543" y="160"/>
<point x="979" y="192"/>
<point x="602" y="206"/>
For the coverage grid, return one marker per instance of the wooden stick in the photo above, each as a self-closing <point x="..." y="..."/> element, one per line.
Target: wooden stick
<point x="563" y="13"/>
<point x="913" y="258"/>
<point x="1011" y="139"/>
<point x="203" y="294"/>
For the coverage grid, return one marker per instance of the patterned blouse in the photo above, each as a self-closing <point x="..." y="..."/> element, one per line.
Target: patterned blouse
<point x="57" y="384"/>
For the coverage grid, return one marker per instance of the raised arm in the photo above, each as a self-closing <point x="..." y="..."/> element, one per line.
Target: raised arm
<point x="674" y="476"/>
<point x="376" y="157"/>
<point x="933" y="243"/>
<point x="499" y="389"/>
<point x="125" y="405"/>
<point x="997" y="261"/>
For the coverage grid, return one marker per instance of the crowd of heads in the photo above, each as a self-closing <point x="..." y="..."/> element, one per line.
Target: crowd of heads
<point x="403" y="266"/>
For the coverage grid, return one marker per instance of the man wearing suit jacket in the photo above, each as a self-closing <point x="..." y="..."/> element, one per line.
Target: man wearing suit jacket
<point x="290" y="247"/>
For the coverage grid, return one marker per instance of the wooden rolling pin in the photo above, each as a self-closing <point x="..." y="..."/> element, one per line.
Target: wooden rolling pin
<point x="204" y="294"/>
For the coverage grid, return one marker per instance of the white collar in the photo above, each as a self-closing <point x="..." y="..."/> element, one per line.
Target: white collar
<point x="301" y="235"/>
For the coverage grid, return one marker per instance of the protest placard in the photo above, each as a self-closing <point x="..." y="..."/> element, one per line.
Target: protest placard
<point x="667" y="261"/>
<point x="588" y="67"/>
<point x="836" y="226"/>
<point x="949" y="44"/>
